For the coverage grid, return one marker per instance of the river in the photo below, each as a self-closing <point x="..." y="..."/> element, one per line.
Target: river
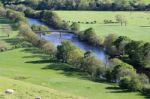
<point x="54" y="37"/>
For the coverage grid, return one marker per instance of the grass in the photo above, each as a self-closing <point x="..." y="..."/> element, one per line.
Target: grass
<point x="24" y="67"/>
<point x="138" y="27"/>
<point x="3" y="36"/>
<point x="33" y="68"/>
<point x="24" y="90"/>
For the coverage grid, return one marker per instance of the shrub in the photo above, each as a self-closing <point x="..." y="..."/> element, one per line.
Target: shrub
<point x="146" y="89"/>
<point x="130" y="83"/>
<point x="3" y="46"/>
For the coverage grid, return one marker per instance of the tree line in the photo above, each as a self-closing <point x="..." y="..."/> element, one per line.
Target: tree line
<point x="113" y="5"/>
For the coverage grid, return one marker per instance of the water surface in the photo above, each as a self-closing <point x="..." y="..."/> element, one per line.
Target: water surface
<point x="55" y="38"/>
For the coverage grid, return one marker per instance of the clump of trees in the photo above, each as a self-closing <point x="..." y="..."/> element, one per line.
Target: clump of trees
<point x="130" y="51"/>
<point x="121" y="19"/>
<point x="75" y="27"/>
<point x="46" y="16"/>
<point x="125" y="75"/>
<point x="39" y="27"/>
<point x="108" y="21"/>
<point x="90" y="36"/>
<point x="68" y="53"/>
<point x="28" y="35"/>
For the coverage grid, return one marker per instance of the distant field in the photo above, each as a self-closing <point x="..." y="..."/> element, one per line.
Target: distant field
<point x="138" y="27"/>
<point x="147" y="1"/>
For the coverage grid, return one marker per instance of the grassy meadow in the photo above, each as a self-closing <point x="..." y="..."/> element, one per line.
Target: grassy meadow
<point x="138" y="26"/>
<point x="24" y="90"/>
<point x="27" y="70"/>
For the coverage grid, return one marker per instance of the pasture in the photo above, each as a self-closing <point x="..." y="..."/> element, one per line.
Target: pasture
<point x="138" y="23"/>
<point x="27" y="69"/>
<point x="24" y="90"/>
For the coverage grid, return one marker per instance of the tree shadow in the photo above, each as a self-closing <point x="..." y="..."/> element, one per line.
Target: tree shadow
<point x="67" y="70"/>
<point x="146" y="96"/>
<point x="33" y="50"/>
<point x="11" y="41"/>
<point x="3" y="36"/>
<point x="145" y="26"/>
<point x="38" y="61"/>
<point x="116" y="89"/>
<point x="5" y="21"/>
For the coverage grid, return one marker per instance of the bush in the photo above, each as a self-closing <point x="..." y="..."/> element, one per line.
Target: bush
<point x="130" y="83"/>
<point x="3" y="46"/>
<point x="146" y="89"/>
<point x="106" y="21"/>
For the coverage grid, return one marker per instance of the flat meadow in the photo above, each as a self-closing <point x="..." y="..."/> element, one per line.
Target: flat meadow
<point x="138" y="23"/>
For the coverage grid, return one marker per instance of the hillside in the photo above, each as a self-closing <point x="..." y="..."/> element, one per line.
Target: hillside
<point x="24" y="90"/>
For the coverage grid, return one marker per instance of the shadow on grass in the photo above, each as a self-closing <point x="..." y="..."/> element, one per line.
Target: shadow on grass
<point x="146" y="96"/>
<point x="36" y="53"/>
<point x="67" y="70"/>
<point x="40" y="61"/>
<point x="3" y="36"/>
<point x="145" y="26"/>
<point x="11" y="41"/>
<point x="115" y="89"/>
<point x="32" y="50"/>
<point x="5" y="21"/>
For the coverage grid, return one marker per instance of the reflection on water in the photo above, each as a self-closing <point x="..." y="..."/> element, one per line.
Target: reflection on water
<point x="56" y="40"/>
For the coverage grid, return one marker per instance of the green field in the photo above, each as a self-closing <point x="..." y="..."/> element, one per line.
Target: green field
<point x="27" y="66"/>
<point x="138" y="27"/>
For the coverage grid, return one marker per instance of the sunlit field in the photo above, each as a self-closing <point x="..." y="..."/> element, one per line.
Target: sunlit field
<point x="138" y="23"/>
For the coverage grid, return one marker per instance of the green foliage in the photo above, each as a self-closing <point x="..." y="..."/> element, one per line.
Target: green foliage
<point x="120" y="70"/>
<point x="88" y="4"/>
<point x="39" y="27"/>
<point x="120" y="44"/>
<point x="121" y="19"/>
<point x="75" y="27"/>
<point x="92" y="65"/>
<point x="131" y="83"/>
<point x="51" y="18"/>
<point x="90" y="36"/>
<point x="146" y="89"/>
<point x="135" y="50"/>
<point x="68" y="53"/>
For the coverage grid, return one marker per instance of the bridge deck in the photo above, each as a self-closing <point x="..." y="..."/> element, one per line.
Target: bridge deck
<point x="69" y="31"/>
